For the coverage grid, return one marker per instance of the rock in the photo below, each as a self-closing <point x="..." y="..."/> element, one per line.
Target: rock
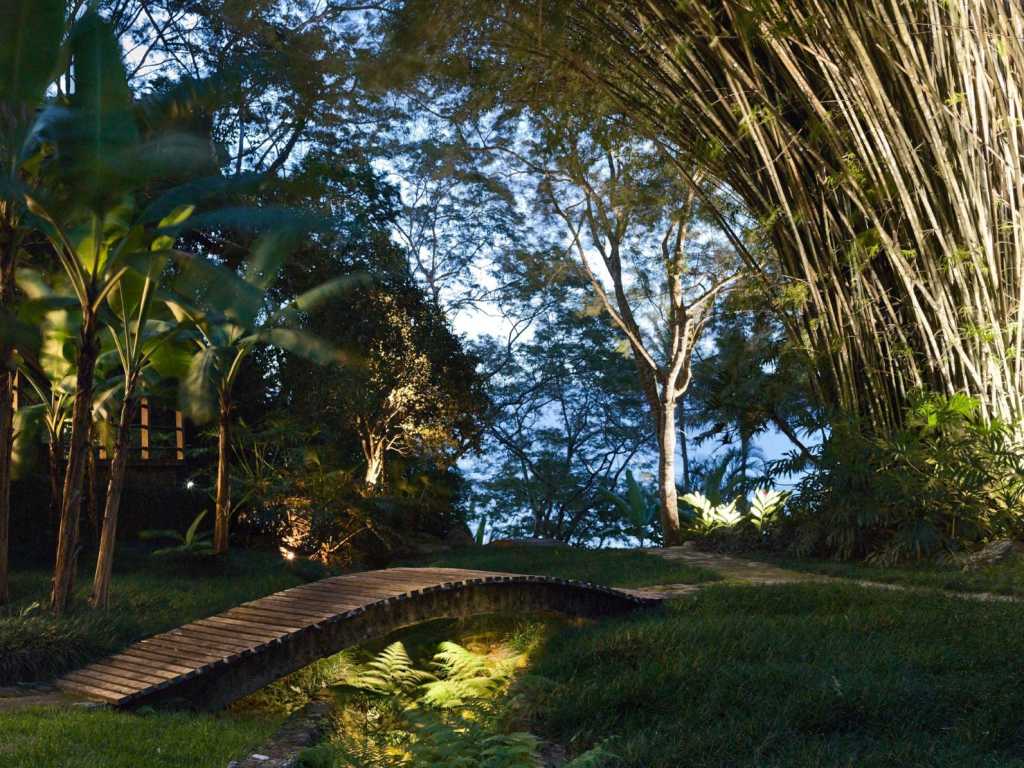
<point x="992" y="553"/>
<point x="525" y="542"/>
<point x="418" y="544"/>
<point x="459" y="536"/>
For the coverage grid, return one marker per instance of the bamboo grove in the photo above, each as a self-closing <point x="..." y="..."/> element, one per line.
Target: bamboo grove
<point x="876" y="146"/>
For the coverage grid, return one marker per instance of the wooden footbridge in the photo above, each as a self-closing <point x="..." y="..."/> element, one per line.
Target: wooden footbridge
<point x="209" y="663"/>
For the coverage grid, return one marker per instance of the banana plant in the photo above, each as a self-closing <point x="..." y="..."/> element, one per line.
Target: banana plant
<point x="232" y="316"/>
<point x="139" y="336"/>
<point x="30" y="40"/>
<point x="637" y="508"/>
<point x="49" y="373"/>
<point x="95" y="166"/>
<point x="84" y="209"/>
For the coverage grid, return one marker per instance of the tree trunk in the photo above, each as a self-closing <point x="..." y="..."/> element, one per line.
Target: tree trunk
<point x="56" y="457"/>
<point x="71" y="503"/>
<point x="100" y="597"/>
<point x="667" y="494"/>
<point x="684" y="450"/>
<point x="6" y="418"/>
<point x="6" y="439"/>
<point x="222" y="518"/>
<point x="374" y="454"/>
<point x="783" y="426"/>
<point x="92" y="503"/>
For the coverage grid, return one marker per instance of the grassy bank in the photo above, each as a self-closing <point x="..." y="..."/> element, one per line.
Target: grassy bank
<point x="78" y="738"/>
<point x="801" y="675"/>
<point x="149" y="595"/>
<point x="611" y="567"/>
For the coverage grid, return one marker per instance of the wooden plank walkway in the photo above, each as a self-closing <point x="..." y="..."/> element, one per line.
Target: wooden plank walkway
<point x="213" y="661"/>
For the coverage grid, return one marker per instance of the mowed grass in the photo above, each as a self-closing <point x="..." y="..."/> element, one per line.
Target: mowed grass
<point x="1005" y="578"/>
<point x="794" y="676"/>
<point x="149" y="595"/>
<point x="610" y="567"/>
<point x="81" y="738"/>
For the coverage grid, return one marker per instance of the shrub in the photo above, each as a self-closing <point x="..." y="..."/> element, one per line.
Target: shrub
<point x="946" y="480"/>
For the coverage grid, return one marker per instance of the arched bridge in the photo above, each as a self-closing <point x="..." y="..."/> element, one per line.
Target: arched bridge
<point x="210" y="663"/>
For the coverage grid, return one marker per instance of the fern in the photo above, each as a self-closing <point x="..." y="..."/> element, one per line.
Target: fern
<point x="597" y="757"/>
<point x="391" y="673"/>
<point x="464" y="676"/>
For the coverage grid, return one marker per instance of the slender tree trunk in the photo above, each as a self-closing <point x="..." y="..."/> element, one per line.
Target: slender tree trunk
<point x="374" y="454"/>
<point x="6" y="419"/>
<point x="222" y="519"/>
<point x="71" y="502"/>
<point x="6" y="440"/>
<point x="56" y="458"/>
<point x="667" y="494"/>
<point x="684" y="450"/>
<point x="100" y="597"/>
<point x="92" y="503"/>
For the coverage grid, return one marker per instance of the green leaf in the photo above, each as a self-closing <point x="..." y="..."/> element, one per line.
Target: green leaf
<point x="198" y="393"/>
<point x="30" y="38"/>
<point x="316" y="297"/>
<point x="171" y="361"/>
<point x="27" y="425"/>
<point x="268" y="256"/>
<point x="213" y="287"/>
<point x="173" y="219"/>
<point x="95" y="137"/>
<point x="190" y="534"/>
<point x="300" y="343"/>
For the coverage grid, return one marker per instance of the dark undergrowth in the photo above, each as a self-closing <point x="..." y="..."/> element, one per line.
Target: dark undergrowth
<point x="149" y="595"/>
<point x="611" y="567"/>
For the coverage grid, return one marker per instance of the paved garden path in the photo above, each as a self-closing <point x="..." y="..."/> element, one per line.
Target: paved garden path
<point x="739" y="570"/>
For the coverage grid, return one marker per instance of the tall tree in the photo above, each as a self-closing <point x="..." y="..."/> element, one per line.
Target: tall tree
<point x="639" y="235"/>
<point x="85" y="223"/>
<point x="567" y="417"/>
<point x="139" y="336"/>
<point x="231" y="316"/>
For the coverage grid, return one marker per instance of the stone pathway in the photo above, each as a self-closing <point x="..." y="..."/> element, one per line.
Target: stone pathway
<point x="301" y="730"/>
<point x="738" y="570"/>
<point x="35" y="695"/>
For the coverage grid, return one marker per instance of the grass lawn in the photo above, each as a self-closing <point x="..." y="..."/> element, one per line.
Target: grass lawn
<point x="78" y="738"/>
<point x="611" y="567"/>
<point x="149" y="595"/>
<point x="795" y="676"/>
<point x="1004" y="578"/>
